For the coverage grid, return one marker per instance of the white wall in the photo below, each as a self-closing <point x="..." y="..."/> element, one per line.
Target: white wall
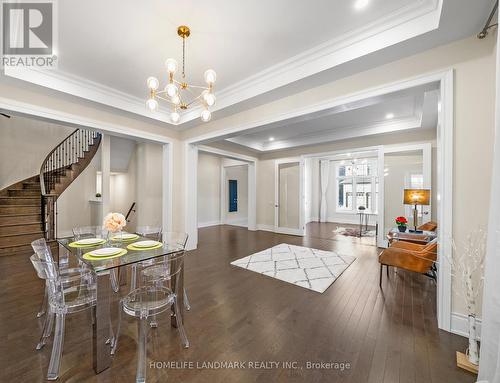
<point x="24" y="144"/>
<point x="73" y="206"/>
<point x="148" y="185"/>
<point x="209" y="173"/>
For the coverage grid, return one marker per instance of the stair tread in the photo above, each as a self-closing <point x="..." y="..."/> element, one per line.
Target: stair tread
<point x="20" y="224"/>
<point x="18" y="214"/>
<point x="17" y="197"/>
<point x="20" y="205"/>
<point x="19" y="234"/>
<point x="18" y="245"/>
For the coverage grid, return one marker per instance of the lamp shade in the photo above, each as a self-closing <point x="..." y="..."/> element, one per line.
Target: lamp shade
<point x="417" y="197"/>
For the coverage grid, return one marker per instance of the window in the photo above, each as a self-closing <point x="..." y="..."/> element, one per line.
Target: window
<point x="233" y="196"/>
<point x="357" y="185"/>
<point x="416" y="181"/>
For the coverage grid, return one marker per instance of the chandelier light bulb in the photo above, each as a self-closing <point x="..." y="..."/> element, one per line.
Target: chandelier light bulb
<point x="209" y="98"/>
<point x="152" y="104"/>
<point x="206" y="115"/>
<point x="171" y="90"/>
<point x="176" y="99"/>
<point x="175" y="117"/>
<point x="171" y="65"/>
<point x="153" y="83"/>
<point x="210" y="76"/>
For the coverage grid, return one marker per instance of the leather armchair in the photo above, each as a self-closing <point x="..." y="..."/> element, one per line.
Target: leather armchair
<point x="410" y="256"/>
<point x="428" y="226"/>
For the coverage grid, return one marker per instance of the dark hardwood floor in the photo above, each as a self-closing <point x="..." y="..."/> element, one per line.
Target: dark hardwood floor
<point x="327" y="230"/>
<point x="386" y="335"/>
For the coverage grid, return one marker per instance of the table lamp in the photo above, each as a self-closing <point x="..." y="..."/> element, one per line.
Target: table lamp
<point x="416" y="197"/>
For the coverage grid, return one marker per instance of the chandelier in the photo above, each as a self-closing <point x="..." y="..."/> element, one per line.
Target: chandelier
<point x="179" y="94"/>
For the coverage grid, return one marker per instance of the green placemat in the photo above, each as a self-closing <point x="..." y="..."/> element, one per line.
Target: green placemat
<point x="120" y="239"/>
<point x="132" y="247"/>
<point x="90" y="257"/>
<point x="76" y="244"/>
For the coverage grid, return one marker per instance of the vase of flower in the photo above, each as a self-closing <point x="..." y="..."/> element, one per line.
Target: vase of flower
<point x="114" y="223"/>
<point x="401" y="222"/>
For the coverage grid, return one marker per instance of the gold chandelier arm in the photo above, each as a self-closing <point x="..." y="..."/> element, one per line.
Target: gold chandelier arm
<point x="162" y="97"/>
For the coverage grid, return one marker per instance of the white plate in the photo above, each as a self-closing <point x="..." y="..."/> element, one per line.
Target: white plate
<point x="105" y="252"/>
<point x="145" y="243"/>
<point x="89" y="241"/>
<point x="125" y="236"/>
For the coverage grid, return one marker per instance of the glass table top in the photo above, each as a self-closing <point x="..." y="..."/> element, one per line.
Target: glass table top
<point x="132" y="256"/>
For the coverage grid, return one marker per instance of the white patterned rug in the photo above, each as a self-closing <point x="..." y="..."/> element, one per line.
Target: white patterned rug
<point x="305" y="267"/>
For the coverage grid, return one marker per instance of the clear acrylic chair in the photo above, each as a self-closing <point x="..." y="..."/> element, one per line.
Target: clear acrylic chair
<point x="155" y="271"/>
<point x="63" y="299"/>
<point x="152" y="300"/>
<point x="97" y="232"/>
<point x="151" y="232"/>
<point x="42" y="249"/>
<point x="89" y="231"/>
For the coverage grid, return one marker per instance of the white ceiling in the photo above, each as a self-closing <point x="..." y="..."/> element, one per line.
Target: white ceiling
<point x="409" y="109"/>
<point x="119" y="43"/>
<point x="259" y="49"/>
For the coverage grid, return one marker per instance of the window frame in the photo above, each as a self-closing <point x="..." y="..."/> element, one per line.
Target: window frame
<point x="355" y="180"/>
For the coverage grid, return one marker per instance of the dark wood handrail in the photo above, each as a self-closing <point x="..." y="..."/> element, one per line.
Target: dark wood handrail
<point x="42" y="180"/>
<point x="130" y="211"/>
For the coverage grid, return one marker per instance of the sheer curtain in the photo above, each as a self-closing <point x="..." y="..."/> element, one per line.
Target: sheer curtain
<point x="324" y="168"/>
<point x="489" y="364"/>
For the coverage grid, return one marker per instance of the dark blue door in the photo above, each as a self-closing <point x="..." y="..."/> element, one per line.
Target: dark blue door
<point x="233" y="195"/>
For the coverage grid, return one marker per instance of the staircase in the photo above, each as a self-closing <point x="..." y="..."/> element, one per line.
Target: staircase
<point x="28" y="208"/>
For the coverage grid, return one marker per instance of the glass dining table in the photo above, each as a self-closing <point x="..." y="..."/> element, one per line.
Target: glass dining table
<point x="102" y="268"/>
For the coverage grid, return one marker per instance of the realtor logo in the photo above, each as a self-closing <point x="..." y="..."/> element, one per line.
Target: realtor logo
<point x="28" y="33"/>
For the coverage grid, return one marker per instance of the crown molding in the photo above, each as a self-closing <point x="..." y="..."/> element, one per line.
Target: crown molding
<point x="345" y="133"/>
<point x="89" y="90"/>
<point x="419" y="17"/>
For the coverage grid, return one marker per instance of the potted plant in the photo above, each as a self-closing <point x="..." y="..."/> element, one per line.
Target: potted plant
<point x="401" y="222"/>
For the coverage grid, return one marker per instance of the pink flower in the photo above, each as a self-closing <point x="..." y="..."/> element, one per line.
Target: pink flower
<point x="114" y="222"/>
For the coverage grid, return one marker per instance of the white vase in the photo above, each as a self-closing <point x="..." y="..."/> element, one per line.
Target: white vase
<point x="473" y="351"/>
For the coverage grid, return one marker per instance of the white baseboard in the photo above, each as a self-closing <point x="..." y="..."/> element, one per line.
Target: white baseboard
<point x="290" y="231"/>
<point x="207" y="224"/>
<point x="265" y="227"/>
<point x="242" y="222"/>
<point x="272" y="229"/>
<point x="460" y="325"/>
<point x="312" y="219"/>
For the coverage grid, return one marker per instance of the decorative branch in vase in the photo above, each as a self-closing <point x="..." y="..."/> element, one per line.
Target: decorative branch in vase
<point x="467" y="262"/>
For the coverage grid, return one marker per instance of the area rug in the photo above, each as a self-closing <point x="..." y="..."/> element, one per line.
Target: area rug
<point x="302" y="266"/>
<point x="348" y="232"/>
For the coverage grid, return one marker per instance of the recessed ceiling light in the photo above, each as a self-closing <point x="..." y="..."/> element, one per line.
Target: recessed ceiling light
<point x="271" y="139"/>
<point x="360" y="4"/>
<point x="389" y="116"/>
